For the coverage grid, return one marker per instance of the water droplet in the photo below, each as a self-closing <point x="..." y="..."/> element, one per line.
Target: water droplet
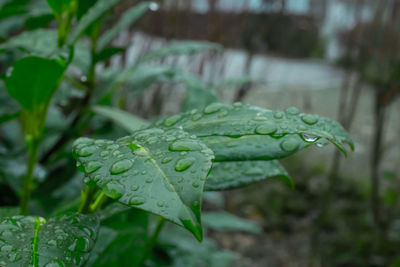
<point x="196" y="117"/>
<point x="149" y="180"/>
<point x="212" y="108"/>
<point x="310" y="119"/>
<point x="172" y="120"/>
<point x="266" y="128"/>
<point x="134" y="188"/>
<point x="121" y="166"/>
<point x="309" y="138"/>
<point x="55" y="263"/>
<point x="112" y="147"/>
<point x="184" y="164"/>
<point x="166" y="160"/>
<point x="104" y="153"/>
<point x="153" y="6"/>
<point x="185" y="145"/>
<point x="137" y="201"/>
<point x="292" y="110"/>
<point x="160" y="203"/>
<point x="92" y="166"/>
<point x="322" y="142"/>
<point x="80" y="244"/>
<point x="195" y="184"/>
<point x="86" y="151"/>
<point x="13" y="256"/>
<point x="290" y="144"/>
<point x="52" y="242"/>
<point x="113" y="190"/>
<point x="278" y="115"/>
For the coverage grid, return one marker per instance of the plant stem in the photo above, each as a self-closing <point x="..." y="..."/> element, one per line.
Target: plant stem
<point x="84" y="104"/>
<point x="98" y="202"/>
<point x="33" y="146"/>
<point x="86" y="199"/>
<point x="152" y="241"/>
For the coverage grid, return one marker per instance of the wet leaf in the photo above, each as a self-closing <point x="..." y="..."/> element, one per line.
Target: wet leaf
<point x="233" y="174"/>
<point x="159" y="171"/>
<point x="245" y="121"/>
<point x="62" y="241"/>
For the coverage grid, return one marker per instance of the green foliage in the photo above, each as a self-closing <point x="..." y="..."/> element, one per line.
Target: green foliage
<point x="64" y="240"/>
<point x="158" y="172"/>
<point x="155" y="170"/>
<point x="40" y="75"/>
<point x="233" y="174"/>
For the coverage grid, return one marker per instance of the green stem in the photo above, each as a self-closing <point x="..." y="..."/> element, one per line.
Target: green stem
<point x="98" y="202"/>
<point x="152" y="241"/>
<point x="33" y="146"/>
<point x="86" y="199"/>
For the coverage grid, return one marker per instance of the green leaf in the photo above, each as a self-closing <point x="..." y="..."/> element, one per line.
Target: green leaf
<point x="187" y="48"/>
<point x="59" y="6"/>
<point x="253" y="147"/>
<point x="228" y="175"/>
<point x="128" y="245"/>
<point x="122" y="118"/>
<point x="8" y="117"/>
<point x="159" y="171"/>
<point x="95" y="12"/>
<point x="8" y="211"/>
<point x="107" y="53"/>
<point x="128" y="17"/>
<point x="225" y="221"/>
<point x="242" y="123"/>
<point x="185" y="251"/>
<point x="41" y="21"/>
<point x="105" y="237"/>
<point x="42" y="42"/>
<point x="33" y="80"/>
<point x="83" y="7"/>
<point x="61" y="241"/>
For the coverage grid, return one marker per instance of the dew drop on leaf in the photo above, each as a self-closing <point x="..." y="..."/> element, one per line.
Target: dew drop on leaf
<point x="184" y="145"/>
<point x="290" y="144"/>
<point x="137" y="201"/>
<point x="184" y="164"/>
<point x="212" y="108"/>
<point x="86" y="151"/>
<point x="54" y="263"/>
<point x="309" y="138"/>
<point x="292" y="110"/>
<point x="278" y="115"/>
<point x="92" y="166"/>
<point x="121" y="166"/>
<point x="113" y="190"/>
<point x="266" y="128"/>
<point x="172" y="120"/>
<point x="309" y="119"/>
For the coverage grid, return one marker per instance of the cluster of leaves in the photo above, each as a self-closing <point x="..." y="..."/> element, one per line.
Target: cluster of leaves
<point x="163" y="167"/>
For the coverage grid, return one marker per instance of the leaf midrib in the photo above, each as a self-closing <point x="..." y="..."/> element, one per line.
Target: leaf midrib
<point x="148" y="153"/>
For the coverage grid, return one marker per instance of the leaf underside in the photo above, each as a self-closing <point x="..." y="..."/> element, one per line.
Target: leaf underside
<point x="160" y="171"/>
<point x="233" y="174"/>
<point x="61" y="241"/>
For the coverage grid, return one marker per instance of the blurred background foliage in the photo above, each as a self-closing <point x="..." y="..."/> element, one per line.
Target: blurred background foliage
<point x="338" y="58"/>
